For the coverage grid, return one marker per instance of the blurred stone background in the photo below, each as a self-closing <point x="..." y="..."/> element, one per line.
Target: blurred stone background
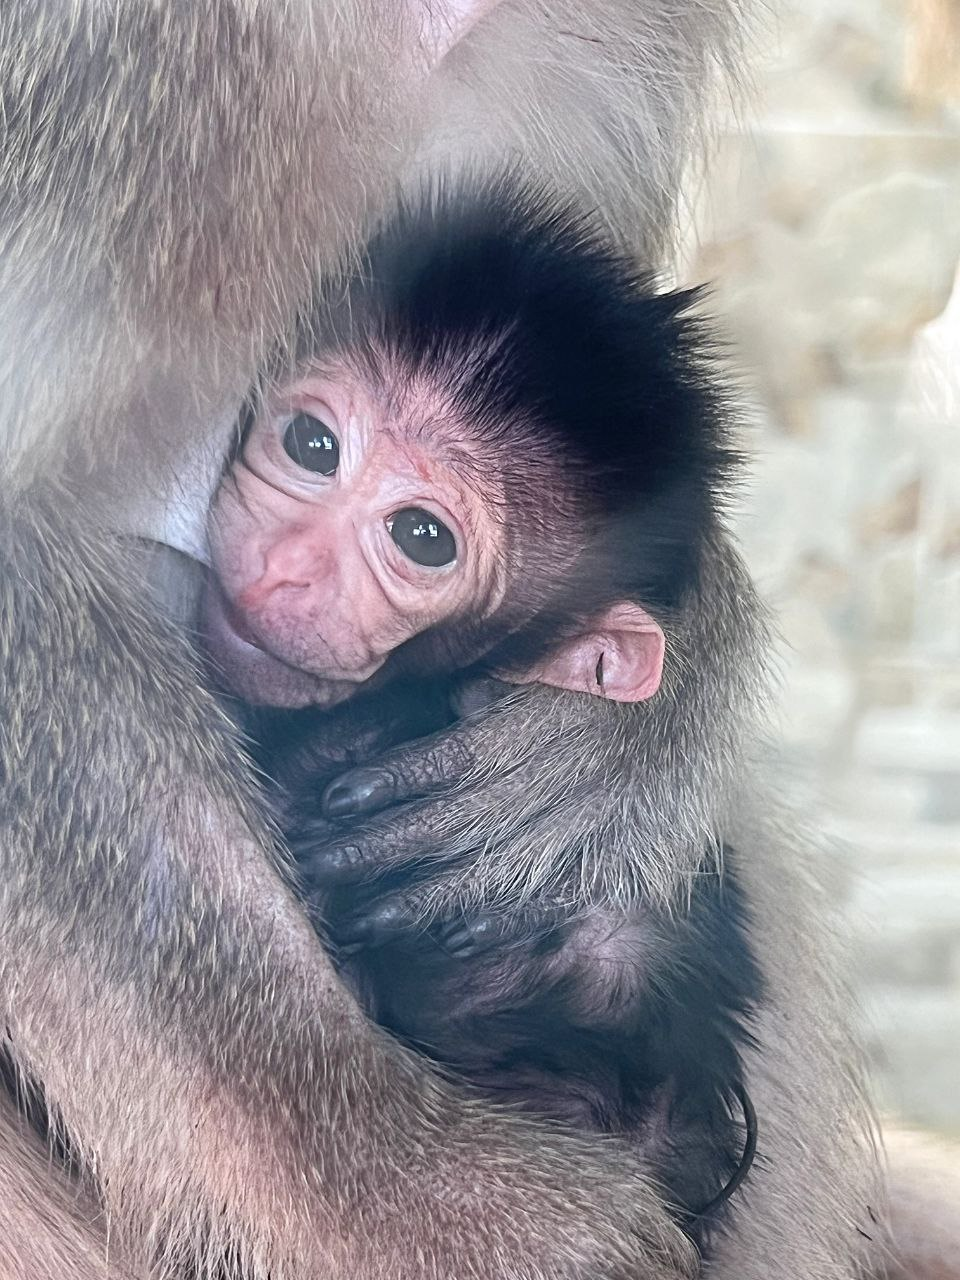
<point x="832" y="229"/>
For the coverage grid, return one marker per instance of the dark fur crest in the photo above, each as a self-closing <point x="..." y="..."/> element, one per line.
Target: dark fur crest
<point x="544" y="329"/>
<point x="595" y="396"/>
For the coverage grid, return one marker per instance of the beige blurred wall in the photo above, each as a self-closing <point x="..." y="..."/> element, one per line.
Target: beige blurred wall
<point x="832" y="228"/>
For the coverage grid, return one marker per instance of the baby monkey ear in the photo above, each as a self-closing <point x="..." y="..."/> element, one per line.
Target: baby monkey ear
<point x="620" y="657"/>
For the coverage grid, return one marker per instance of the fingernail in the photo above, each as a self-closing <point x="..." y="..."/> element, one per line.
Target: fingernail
<point x="337" y="863"/>
<point x="362" y="794"/>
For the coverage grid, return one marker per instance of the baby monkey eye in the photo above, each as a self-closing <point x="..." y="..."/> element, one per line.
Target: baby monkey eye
<point x="311" y="444"/>
<point x="422" y="537"/>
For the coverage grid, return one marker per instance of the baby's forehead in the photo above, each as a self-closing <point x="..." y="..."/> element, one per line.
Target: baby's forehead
<point x="416" y="407"/>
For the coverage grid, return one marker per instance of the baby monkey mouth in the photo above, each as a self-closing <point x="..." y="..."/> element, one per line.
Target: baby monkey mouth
<point x="223" y="622"/>
<point x="238" y="623"/>
<point x="242" y="665"/>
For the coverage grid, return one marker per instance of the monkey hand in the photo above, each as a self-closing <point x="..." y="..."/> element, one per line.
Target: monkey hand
<point x="385" y="918"/>
<point x="304" y="754"/>
<point x="533" y="796"/>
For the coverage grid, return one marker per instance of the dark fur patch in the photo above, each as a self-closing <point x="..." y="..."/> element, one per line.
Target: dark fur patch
<point x="650" y="1050"/>
<point x="597" y="401"/>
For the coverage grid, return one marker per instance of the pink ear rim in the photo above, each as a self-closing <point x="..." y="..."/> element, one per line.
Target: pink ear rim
<point x="620" y="658"/>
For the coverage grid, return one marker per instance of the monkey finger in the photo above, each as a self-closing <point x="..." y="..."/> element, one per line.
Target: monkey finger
<point x="476" y="932"/>
<point x="382" y="923"/>
<point x="324" y="866"/>
<point x="412" y="771"/>
<point x="417" y="832"/>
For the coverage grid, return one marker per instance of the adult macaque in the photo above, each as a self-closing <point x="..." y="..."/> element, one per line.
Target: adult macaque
<point x="506" y="449"/>
<point x="171" y="177"/>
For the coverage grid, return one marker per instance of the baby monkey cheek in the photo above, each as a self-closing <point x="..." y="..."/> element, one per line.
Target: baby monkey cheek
<point x="335" y="639"/>
<point x="356" y="631"/>
<point x="232" y="537"/>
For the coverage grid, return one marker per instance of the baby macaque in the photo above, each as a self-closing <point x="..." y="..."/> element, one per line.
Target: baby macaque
<point x="503" y="449"/>
<point x="501" y="457"/>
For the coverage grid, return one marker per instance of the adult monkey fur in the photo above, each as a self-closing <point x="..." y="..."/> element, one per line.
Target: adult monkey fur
<point x="148" y="175"/>
<point x="169" y="176"/>
<point x="170" y="173"/>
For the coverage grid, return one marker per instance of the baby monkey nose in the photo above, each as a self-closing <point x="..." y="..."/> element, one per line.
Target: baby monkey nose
<point x="254" y="598"/>
<point x="293" y="563"/>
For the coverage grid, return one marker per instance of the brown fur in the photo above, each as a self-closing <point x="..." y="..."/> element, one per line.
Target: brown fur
<point x="49" y="1229"/>
<point x="171" y="176"/>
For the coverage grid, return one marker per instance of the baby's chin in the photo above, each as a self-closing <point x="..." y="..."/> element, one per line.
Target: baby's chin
<point x="249" y="672"/>
<point x="264" y="681"/>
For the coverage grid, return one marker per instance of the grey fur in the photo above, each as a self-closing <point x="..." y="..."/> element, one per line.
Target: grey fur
<point x="171" y="175"/>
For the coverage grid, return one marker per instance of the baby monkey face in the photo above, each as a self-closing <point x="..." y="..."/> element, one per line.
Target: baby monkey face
<point x="351" y="521"/>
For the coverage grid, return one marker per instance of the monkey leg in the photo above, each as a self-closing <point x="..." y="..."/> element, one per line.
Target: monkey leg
<point x="49" y="1230"/>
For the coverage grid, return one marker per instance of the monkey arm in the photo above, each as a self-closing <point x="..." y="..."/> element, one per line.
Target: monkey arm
<point x="504" y="808"/>
<point x="217" y="1081"/>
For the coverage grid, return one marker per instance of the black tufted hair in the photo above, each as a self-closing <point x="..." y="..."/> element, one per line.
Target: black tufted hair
<point x="597" y="395"/>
